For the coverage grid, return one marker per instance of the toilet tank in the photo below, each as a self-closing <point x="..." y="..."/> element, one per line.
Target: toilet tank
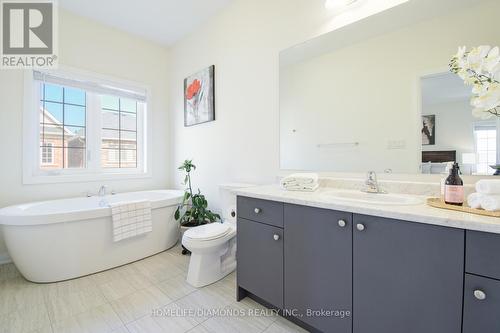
<point x="228" y="200"/>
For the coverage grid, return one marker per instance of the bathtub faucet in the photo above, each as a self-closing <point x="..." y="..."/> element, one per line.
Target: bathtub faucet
<point x="102" y="191"/>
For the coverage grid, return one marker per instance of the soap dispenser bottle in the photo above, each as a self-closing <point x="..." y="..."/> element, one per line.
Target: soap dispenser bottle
<point x="454" y="187"/>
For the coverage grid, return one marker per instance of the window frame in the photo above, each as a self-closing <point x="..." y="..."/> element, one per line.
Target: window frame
<point x="476" y="126"/>
<point x="32" y="172"/>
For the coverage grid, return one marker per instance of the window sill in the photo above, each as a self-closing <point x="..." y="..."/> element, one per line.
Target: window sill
<point x="78" y="178"/>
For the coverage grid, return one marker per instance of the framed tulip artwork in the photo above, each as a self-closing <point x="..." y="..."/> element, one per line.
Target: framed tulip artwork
<point x="199" y="97"/>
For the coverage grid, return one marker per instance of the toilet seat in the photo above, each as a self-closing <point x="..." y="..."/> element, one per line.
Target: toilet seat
<point x="208" y="232"/>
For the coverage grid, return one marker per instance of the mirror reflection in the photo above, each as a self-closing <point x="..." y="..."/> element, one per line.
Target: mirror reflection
<point x="450" y="130"/>
<point x="396" y="107"/>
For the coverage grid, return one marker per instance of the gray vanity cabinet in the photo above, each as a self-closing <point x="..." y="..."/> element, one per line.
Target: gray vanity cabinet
<point x="260" y="260"/>
<point x="318" y="266"/>
<point x="482" y="286"/>
<point x="481" y="305"/>
<point x="407" y="277"/>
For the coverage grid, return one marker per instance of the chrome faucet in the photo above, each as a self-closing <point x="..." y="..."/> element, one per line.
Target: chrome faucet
<point x="371" y="183"/>
<point x="102" y="191"/>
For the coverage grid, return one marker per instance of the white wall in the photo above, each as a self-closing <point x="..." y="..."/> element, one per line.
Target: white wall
<point x="243" y="42"/>
<point x="90" y="46"/>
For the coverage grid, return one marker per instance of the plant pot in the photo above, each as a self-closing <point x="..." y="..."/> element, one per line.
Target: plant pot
<point x="183" y="230"/>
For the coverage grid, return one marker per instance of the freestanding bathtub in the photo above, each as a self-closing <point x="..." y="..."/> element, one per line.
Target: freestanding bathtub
<point x="63" y="239"/>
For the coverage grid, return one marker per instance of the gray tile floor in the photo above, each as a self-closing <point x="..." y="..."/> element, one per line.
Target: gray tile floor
<point x="150" y="295"/>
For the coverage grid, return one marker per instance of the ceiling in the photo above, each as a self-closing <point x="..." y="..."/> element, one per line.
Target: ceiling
<point x="161" y="21"/>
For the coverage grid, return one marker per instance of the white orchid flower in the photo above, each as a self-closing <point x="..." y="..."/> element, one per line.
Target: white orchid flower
<point x="492" y="60"/>
<point x="477" y="103"/>
<point x="480" y="89"/>
<point x="461" y="52"/>
<point x="481" y="113"/>
<point x="484" y="50"/>
<point x="460" y="56"/>
<point x="476" y="58"/>
<point x="480" y="68"/>
<point x="490" y="99"/>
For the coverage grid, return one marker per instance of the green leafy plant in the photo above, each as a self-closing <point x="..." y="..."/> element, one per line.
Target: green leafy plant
<point x="194" y="208"/>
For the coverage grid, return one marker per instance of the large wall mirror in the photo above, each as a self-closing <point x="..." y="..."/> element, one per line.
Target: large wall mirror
<point x="378" y="94"/>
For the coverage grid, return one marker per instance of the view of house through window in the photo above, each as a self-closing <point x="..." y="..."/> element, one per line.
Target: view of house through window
<point x="77" y="124"/>
<point x="62" y="127"/>
<point x="119" y="133"/>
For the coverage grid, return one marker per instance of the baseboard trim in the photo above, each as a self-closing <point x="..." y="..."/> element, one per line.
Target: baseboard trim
<point x="5" y="258"/>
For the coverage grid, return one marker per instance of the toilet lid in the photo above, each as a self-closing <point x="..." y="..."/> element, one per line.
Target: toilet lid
<point x="208" y="231"/>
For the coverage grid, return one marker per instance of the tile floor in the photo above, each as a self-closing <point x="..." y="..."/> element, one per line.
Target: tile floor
<point x="150" y="295"/>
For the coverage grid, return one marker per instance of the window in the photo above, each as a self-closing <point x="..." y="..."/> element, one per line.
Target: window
<point x="119" y="132"/>
<point x="485" y="135"/>
<point x="63" y="126"/>
<point x="47" y="154"/>
<point x="84" y="127"/>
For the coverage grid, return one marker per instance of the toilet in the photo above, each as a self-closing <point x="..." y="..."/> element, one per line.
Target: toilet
<point x="213" y="246"/>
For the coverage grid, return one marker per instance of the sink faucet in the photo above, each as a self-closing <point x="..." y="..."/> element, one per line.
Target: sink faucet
<point x="371" y="183"/>
<point x="102" y="191"/>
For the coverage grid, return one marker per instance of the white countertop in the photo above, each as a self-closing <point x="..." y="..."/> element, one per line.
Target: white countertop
<point x="421" y="213"/>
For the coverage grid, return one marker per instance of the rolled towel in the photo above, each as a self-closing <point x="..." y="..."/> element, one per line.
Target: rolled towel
<point x="300" y="178"/>
<point x="488" y="186"/>
<point x="474" y="200"/>
<point x="490" y="202"/>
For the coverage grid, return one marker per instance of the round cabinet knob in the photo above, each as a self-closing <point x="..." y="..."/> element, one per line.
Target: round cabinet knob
<point x="257" y="210"/>
<point x="276" y="237"/>
<point x="342" y="223"/>
<point x="360" y="226"/>
<point x="479" y="294"/>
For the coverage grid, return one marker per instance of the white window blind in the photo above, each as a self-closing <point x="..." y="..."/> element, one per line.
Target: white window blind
<point x="103" y="88"/>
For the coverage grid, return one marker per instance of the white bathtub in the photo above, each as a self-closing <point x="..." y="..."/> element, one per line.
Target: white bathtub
<point x="63" y="239"/>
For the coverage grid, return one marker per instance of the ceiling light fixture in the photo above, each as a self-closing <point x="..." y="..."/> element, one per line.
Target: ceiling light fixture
<point x="337" y="4"/>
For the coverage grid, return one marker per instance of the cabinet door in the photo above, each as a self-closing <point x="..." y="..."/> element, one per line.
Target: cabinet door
<point x="318" y="267"/>
<point x="260" y="260"/>
<point x="481" y="305"/>
<point x="407" y="277"/>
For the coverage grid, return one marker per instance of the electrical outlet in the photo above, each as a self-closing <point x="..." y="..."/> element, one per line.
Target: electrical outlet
<point x="396" y="144"/>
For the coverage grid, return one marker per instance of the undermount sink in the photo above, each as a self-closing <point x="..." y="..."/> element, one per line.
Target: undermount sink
<point x="373" y="198"/>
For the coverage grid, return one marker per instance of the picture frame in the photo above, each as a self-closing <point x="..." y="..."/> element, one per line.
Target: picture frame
<point x="428" y="130"/>
<point x="199" y="97"/>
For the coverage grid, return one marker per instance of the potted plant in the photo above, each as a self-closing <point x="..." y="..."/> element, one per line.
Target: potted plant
<point x="193" y="211"/>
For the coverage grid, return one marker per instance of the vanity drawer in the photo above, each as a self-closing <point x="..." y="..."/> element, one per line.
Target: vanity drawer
<point x="481" y="305"/>
<point x="482" y="254"/>
<point x="264" y="211"/>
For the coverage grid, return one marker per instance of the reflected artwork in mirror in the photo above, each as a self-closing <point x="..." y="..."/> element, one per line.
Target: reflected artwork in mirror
<point x="379" y="94"/>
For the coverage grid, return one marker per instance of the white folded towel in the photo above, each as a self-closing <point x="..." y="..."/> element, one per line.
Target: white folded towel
<point x="300" y="178"/>
<point x="488" y="186"/>
<point x="307" y="182"/>
<point x="131" y="219"/>
<point x="474" y="200"/>
<point x="490" y="202"/>
<point x="302" y="188"/>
